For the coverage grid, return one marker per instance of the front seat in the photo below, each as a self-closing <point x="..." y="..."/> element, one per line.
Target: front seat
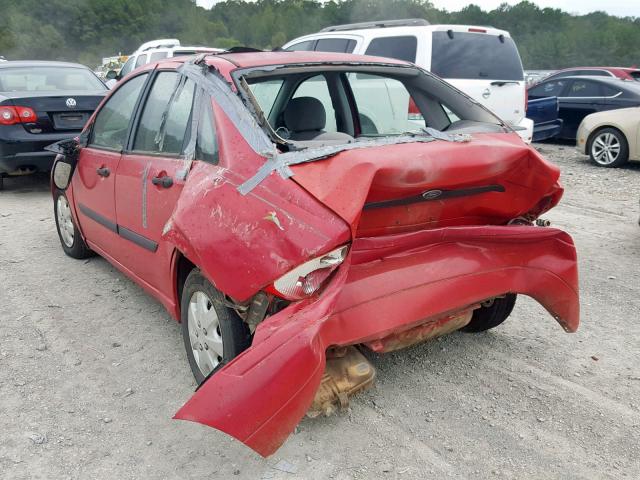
<point x="305" y="118"/>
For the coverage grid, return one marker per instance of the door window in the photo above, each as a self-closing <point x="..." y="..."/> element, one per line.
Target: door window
<point x="402" y="48"/>
<point x="128" y="66"/>
<point x="112" y="121"/>
<point x="552" y="88"/>
<point x="141" y="60"/>
<point x="302" y="46"/>
<point x="165" y="116"/>
<point x="206" y="144"/>
<point x="339" y="45"/>
<point x="155" y="56"/>
<point x="584" y="88"/>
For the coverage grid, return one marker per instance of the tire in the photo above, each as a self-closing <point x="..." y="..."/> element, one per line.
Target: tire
<point x="608" y="148"/>
<point x="70" y="238"/>
<point x="492" y="315"/>
<point x="211" y="345"/>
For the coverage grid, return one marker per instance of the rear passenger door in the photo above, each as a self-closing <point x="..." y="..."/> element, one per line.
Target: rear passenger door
<point x="151" y="175"/>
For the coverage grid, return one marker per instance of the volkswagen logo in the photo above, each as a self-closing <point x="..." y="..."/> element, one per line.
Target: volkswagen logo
<point x="431" y="194"/>
<point x="71" y="102"/>
<point x="486" y="93"/>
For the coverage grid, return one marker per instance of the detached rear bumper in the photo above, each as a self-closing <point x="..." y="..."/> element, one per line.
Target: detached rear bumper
<point x="389" y="284"/>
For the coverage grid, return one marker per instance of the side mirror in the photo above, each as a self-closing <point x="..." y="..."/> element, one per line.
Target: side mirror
<point x="112" y="75"/>
<point x="64" y="163"/>
<point x="61" y="172"/>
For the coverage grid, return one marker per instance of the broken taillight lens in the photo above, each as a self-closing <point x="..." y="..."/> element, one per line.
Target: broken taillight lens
<point x="307" y="278"/>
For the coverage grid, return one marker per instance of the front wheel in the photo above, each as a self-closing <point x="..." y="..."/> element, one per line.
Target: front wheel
<point x="72" y="242"/>
<point x="491" y="314"/>
<point x="213" y="333"/>
<point x="609" y="148"/>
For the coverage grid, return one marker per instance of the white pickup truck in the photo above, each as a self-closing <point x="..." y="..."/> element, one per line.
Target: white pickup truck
<point x="483" y="62"/>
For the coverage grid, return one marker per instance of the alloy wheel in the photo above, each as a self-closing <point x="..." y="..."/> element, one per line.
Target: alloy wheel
<point x="605" y="148"/>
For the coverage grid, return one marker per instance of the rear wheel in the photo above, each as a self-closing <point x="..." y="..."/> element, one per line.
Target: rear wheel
<point x="72" y="242"/>
<point x="491" y="314"/>
<point x="213" y="333"/>
<point x="609" y="148"/>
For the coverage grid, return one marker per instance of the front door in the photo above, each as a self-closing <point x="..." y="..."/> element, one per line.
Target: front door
<point x="148" y="183"/>
<point x="94" y="182"/>
<point x="581" y="97"/>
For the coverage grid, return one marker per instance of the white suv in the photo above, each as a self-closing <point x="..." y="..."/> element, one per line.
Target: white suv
<point x="483" y="62"/>
<point x="157" y="50"/>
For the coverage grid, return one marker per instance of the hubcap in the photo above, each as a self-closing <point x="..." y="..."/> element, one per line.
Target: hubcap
<point x="605" y="148"/>
<point x="204" y="333"/>
<point x="65" y="222"/>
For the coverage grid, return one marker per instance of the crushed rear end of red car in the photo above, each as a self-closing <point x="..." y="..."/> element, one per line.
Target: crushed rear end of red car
<point x="438" y="229"/>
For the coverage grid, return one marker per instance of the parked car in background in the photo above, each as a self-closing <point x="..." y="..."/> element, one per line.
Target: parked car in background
<point x="156" y="50"/>
<point x="281" y="236"/>
<point x="544" y="113"/>
<point x="611" y="138"/>
<point x="41" y="103"/>
<point x="622" y="73"/>
<point x="483" y="62"/>
<point x="582" y="96"/>
<point x="535" y="76"/>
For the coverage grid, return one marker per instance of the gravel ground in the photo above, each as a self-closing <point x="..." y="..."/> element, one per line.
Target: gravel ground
<point x="92" y="370"/>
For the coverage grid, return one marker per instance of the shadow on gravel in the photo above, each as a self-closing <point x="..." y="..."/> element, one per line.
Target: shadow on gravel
<point x="38" y="182"/>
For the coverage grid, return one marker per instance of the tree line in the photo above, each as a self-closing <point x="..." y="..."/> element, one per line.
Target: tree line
<point x="87" y="30"/>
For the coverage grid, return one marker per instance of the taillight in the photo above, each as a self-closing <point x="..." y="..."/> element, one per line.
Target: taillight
<point x="414" y="112"/>
<point x="13" y="115"/>
<point x="477" y="30"/>
<point x="307" y="278"/>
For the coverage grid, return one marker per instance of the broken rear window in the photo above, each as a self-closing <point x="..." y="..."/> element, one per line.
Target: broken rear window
<point x="331" y="104"/>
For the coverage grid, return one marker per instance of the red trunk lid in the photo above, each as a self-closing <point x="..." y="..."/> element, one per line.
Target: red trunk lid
<point x="490" y="180"/>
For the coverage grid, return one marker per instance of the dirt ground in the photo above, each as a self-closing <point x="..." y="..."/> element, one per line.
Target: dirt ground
<point x="92" y="370"/>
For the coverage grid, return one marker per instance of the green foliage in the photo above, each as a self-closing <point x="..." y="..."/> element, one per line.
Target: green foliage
<point x="86" y="30"/>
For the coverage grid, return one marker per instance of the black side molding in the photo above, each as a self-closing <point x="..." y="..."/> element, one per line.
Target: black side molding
<point x="125" y="233"/>
<point x="96" y="217"/>
<point x="434" y="194"/>
<point x="138" y="239"/>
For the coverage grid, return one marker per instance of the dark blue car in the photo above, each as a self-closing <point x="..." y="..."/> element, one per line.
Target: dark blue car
<point x="582" y="96"/>
<point x="42" y="103"/>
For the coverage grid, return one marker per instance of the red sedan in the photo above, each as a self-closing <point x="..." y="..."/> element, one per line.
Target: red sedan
<point x="287" y="207"/>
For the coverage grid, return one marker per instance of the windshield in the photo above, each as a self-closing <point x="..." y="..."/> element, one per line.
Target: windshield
<point x="330" y="105"/>
<point x="29" y="79"/>
<point x="475" y="56"/>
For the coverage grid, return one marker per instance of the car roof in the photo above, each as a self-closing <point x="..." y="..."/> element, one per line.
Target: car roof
<point x="260" y="59"/>
<point x="611" y="80"/>
<point x="40" y="63"/>
<point x="626" y="69"/>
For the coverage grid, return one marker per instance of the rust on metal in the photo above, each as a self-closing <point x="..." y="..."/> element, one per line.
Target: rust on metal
<point x="421" y="333"/>
<point x="347" y="372"/>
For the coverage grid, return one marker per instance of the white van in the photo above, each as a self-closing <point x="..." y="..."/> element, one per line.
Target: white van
<point x="156" y="50"/>
<point x="483" y="62"/>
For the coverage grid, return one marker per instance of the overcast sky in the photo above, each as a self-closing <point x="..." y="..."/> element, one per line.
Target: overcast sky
<point x="623" y="8"/>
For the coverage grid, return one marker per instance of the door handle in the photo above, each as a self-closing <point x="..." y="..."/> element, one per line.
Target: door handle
<point x="164" y="181"/>
<point x="103" y="171"/>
